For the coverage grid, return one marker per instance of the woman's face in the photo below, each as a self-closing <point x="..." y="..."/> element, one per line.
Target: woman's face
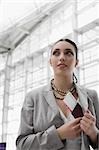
<point x="63" y="58"/>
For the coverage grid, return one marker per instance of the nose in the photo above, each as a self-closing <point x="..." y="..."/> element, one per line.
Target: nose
<point x="62" y="57"/>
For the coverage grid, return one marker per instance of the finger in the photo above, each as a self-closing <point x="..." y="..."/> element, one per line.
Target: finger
<point x="86" y="124"/>
<point x="88" y="113"/>
<point x="76" y="121"/>
<point x="88" y="117"/>
<point x="77" y="130"/>
<point x="83" y="128"/>
<point x="85" y="119"/>
<point x="77" y="127"/>
<point x="78" y="133"/>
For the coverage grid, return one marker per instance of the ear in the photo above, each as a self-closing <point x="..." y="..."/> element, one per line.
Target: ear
<point x="77" y="61"/>
<point x="50" y="62"/>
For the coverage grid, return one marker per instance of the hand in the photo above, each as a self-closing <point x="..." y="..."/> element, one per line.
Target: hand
<point x="70" y="130"/>
<point x="88" y="125"/>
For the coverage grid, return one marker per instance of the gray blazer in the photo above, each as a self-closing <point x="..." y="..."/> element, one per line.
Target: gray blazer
<point x="40" y="117"/>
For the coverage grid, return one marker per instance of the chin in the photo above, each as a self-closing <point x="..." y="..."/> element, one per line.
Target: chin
<point x="61" y="73"/>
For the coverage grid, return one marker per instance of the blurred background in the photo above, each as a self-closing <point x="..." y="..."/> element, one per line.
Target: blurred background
<point x="28" y="28"/>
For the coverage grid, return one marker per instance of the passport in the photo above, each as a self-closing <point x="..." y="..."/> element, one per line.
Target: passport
<point x="77" y="111"/>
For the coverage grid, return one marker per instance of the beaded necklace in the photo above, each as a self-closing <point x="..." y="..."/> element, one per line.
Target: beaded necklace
<point x="59" y="94"/>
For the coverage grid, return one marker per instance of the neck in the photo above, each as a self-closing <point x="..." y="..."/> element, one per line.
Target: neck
<point x="63" y="83"/>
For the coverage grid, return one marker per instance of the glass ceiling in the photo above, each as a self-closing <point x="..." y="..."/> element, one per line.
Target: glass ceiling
<point x="12" y="11"/>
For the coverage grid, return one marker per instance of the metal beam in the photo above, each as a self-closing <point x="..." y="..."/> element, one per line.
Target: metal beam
<point x="6" y="97"/>
<point x="4" y="47"/>
<point x="88" y="26"/>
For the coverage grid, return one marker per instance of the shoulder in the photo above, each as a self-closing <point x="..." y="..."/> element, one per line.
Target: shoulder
<point x="90" y="92"/>
<point x="37" y="91"/>
<point x="34" y="95"/>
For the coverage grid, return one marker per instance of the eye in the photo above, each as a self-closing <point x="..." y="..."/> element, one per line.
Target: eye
<point x="69" y="53"/>
<point x="56" y="53"/>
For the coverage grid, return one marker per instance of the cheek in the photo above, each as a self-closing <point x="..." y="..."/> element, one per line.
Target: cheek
<point x="53" y="62"/>
<point x="72" y="63"/>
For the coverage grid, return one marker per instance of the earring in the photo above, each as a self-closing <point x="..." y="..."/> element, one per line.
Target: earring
<point x="75" y="78"/>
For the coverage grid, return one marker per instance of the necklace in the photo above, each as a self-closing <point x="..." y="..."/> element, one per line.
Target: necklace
<point x="59" y="94"/>
<point x="58" y="98"/>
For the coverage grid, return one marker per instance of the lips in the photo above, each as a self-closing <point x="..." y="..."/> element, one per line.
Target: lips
<point x="62" y="65"/>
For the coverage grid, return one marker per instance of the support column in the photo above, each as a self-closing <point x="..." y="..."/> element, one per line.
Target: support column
<point x="75" y="29"/>
<point x="74" y="21"/>
<point x="6" y="97"/>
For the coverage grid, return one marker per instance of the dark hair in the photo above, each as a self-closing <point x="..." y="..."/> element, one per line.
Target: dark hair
<point x="71" y="42"/>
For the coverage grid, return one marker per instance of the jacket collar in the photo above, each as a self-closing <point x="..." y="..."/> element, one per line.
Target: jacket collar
<point x="49" y="97"/>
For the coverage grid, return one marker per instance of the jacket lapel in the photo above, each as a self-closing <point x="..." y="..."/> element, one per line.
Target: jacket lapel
<point x="91" y="106"/>
<point x="88" y="102"/>
<point x="84" y="96"/>
<point x="49" y="97"/>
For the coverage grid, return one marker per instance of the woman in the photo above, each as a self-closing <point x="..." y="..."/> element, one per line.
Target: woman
<point x="61" y="115"/>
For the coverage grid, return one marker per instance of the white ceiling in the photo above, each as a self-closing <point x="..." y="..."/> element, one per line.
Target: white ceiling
<point x="20" y="17"/>
<point x="12" y="11"/>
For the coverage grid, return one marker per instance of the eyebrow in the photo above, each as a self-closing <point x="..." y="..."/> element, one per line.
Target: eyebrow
<point x="64" y="49"/>
<point x="56" y="49"/>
